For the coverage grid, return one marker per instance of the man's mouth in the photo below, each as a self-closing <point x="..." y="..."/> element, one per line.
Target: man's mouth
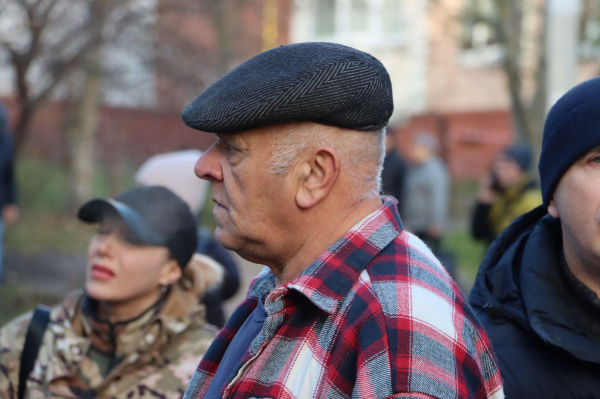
<point x="218" y="203"/>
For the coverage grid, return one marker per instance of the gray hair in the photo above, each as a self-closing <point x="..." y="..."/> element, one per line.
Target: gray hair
<point x="356" y="150"/>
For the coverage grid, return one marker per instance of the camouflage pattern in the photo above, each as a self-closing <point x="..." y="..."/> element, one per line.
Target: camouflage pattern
<point x="158" y="353"/>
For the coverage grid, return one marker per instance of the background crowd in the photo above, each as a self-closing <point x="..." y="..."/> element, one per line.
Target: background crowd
<point x="82" y="118"/>
<point x="91" y="103"/>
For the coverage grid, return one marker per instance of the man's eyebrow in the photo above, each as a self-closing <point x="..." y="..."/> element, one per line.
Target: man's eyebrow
<point x="224" y="136"/>
<point x="228" y="139"/>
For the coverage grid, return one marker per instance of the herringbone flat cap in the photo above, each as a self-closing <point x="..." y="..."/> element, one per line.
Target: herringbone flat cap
<point x="324" y="83"/>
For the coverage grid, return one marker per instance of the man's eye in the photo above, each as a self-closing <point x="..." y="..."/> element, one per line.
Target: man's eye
<point x="596" y="160"/>
<point x="227" y="145"/>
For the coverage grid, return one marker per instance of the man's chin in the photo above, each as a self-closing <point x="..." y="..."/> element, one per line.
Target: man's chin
<point x="226" y="239"/>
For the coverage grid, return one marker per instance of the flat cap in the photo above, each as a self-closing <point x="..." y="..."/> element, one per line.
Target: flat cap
<point x="325" y="83"/>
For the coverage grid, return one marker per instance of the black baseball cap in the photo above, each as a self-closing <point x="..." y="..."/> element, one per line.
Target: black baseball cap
<point x="154" y="215"/>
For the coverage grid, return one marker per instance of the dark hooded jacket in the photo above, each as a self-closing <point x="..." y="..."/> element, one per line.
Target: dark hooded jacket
<point x="544" y="325"/>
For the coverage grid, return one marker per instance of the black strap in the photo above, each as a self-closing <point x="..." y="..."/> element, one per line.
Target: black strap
<point x="33" y="341"/>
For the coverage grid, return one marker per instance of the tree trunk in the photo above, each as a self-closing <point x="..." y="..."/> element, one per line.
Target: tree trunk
<point x="23" y="124"/>
<point x="528" y="113"/>
<point x="81" y="132"/>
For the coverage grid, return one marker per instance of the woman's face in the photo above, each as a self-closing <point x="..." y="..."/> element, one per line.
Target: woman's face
<point x="120" y="271"/>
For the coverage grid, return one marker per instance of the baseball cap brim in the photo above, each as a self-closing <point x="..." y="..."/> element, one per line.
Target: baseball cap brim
<point x="96" y="210"/>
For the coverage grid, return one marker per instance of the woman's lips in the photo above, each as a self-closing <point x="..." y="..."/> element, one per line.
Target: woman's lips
<point x="102" y="273"/>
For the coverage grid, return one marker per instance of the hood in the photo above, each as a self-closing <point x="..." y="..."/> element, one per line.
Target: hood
<point x="529" y="254"/>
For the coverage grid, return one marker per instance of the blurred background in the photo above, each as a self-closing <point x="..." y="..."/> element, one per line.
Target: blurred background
<point x="92" y="88"/>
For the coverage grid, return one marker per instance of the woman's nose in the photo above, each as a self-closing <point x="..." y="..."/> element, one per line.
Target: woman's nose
<point x="208" y="166"/>
<point x="105" y="244"/>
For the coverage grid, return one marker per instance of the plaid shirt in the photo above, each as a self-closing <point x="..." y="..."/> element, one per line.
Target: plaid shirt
<point x="375" y="316"/>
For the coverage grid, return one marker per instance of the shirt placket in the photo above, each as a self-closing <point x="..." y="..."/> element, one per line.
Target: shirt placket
<point x="275" y="308"/>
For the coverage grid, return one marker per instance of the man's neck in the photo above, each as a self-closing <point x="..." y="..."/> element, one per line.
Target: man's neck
<point x="324" y="236"/>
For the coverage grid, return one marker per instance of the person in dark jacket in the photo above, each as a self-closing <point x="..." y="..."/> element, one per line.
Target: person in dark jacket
<point x="393" y="175"/>
<point x="537" y="291"/>
<point x="505" y="194"/>
<point x="8" y="191"/>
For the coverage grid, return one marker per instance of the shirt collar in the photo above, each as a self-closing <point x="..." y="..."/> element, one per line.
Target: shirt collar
<point x="328" y="278"/>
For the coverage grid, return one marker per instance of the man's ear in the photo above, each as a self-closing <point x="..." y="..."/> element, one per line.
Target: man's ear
<point x="317" y="175"/>
<point x="553" y="209"/>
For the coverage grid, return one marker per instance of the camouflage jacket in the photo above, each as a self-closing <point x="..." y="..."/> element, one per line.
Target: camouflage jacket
<point x="157" y="353"/>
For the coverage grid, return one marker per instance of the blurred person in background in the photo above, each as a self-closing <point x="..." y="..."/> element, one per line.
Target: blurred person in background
<point x="8" y="190"/>
<point x="425" y="211"/>
<point x="537" y="290"/>
<point x="175" y="171"/>
<point x="505" y="194"/>
<point x="341" y="310"/>
<point x="137" y="328"/>
<point x="394" y="170"/>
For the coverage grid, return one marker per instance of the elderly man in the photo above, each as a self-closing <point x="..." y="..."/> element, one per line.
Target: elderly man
<point x="537" y="291"/>
<point x="349" y="305"/>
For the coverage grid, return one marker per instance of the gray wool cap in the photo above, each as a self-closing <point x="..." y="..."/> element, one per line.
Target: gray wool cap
<point x="325" y="83"/>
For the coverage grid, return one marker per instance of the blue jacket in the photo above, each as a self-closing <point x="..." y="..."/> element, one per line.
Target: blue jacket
<point x="544" y="324"/>
<point x="8" y="191"/>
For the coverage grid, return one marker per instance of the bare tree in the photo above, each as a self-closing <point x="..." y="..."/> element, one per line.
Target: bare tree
<point x="47" y="39"/>
<point x="521" y="32"/>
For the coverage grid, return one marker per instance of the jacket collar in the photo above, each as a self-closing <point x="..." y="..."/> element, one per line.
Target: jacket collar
<point x="71" y="342"/>
<point x="522" y="279"/>
<point x="328" y="278"/>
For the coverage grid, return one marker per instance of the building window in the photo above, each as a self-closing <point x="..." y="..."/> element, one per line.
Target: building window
<point x="480" y="43"/>
<point x="589" y="30"/>
<point x="325" y="17"/>
<point x="359" y="12"/>
<point x="392" y="21"/>
<point x="478" y="20"/>
<point x="373" y="23"/>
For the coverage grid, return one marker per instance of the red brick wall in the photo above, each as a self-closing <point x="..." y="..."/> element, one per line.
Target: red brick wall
<point x="123" y="133"/>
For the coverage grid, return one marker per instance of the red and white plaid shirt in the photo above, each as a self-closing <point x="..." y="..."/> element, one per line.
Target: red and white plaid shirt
<point x="376" y="316"/>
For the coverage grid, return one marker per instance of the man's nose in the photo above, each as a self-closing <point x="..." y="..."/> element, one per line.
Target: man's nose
<point x="208" y="166"/>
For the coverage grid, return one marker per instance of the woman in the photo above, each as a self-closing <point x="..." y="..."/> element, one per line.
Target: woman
<point x="137" y="329"/>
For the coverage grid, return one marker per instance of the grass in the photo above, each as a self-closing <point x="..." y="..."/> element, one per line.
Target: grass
<point x="48" y="220"/>
<point x="17" y="299"/>
<point x="468" y="252"/>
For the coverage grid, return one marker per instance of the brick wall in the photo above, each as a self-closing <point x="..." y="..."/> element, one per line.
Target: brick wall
<point x="130" y="135"/>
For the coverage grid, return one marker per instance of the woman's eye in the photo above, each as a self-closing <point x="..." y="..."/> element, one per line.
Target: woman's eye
<point x="596" y="160"/>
